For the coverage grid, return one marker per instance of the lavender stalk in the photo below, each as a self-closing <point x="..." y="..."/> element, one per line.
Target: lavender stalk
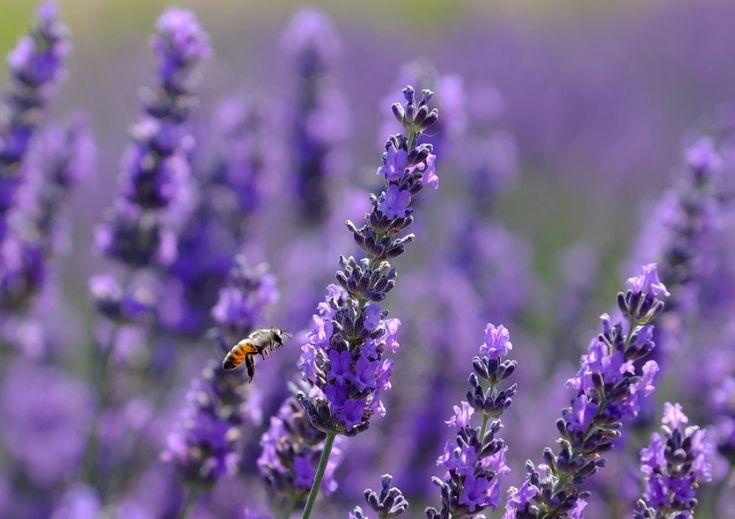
<point x="136" y="231"/>
<point x="344" y="355"/>
<point x="476" y="458"/>
<point x="36" y="65"/>
<point x="609" y="389"/>
<point x="676" y="462"/>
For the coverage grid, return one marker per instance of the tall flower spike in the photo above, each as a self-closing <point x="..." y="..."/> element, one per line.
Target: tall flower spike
<point x="475" y="458"/>
<point x="320" y="122"/>
<point x="209" y="441"/>
<point x="608" y="389"/>
<point x="387" y="504"/>
<point x="344" y="357"/>
<point x="676" y="462"/>
<point x="156" y="164"/>
<point x="59" y="157"/>
<point x="36" y="65"/>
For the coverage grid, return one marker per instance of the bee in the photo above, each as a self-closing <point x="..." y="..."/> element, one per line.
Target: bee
<point x="260" y="342"/>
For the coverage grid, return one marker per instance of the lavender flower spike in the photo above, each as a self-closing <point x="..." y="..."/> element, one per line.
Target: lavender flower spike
<point x="36" y="64"/>
<point x="475" y="458"/>
<point x="387" y="504"/>
<point x="209" y="441"/>
<point x="344" y="357"/>
<point x="676" y="462"/>
<point x="609" y="388"/>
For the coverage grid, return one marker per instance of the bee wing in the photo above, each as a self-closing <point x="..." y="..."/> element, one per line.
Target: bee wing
<point x="238" y="354"/>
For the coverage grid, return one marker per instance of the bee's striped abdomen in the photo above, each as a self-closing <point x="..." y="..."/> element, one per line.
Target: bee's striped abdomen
<point x="237" y="354"/>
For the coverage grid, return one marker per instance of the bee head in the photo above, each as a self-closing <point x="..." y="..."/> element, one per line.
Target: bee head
<point x="279" y="335"/>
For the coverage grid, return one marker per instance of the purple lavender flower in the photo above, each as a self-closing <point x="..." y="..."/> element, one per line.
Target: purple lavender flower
<point x="179" y="43"/>
<point x="61" y="156"/>
<point x="320" y="121"/>
<point x="609" y="389"/>
<point x="291" y="448"/>
<point x="36" y="65"/>
<point x="676" y="462"/>
<point x="475" y="458"/>
<point x="388" y="503"/>
<point x="350" y="319"/>
<point x="350" y="322"/>
<point x="156" y="165"/>
<point x="209" y="440"/>
<point x="452" y="103"/>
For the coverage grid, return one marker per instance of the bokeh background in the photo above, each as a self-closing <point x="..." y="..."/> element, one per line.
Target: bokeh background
<point x="599" y="98"/>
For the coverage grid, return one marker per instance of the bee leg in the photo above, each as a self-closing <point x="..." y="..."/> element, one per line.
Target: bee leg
<point x="250" y="365"/>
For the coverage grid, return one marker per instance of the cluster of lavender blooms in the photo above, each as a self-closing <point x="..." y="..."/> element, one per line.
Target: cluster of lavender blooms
<point x="36" y="66"/>
<point x="344" y="355"/>
<point x="676" y="462"/>
<point x="210" y="440"/>
<point x="475" y="458"/>
<point x="389" y="503"/>
<point x="136" y="231"/>
<point x="195" y="196"/>
<point x="609" y="389"/>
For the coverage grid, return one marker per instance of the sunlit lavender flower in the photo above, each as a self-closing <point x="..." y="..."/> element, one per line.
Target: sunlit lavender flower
<point x="291" y="448"/>
<point x="609" y="389"/>
<point x="60" y="157"/>
<point x="452" y="103"/>
<point x="36" y="65"/>
<point x="156" y="165"/>
<point x="387" y="504"/>
<point x="209" y="441"/>
<point x="475" y="457"/>
<point x="675" y="463"/>
<point x="344" y="357"/>
<point x="320" y="120"/>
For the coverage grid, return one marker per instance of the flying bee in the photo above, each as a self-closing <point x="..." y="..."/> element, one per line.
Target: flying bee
<point x="260" y="342"/>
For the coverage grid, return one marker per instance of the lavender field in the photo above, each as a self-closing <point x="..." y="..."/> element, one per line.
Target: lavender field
<point x="429" y="259"/>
